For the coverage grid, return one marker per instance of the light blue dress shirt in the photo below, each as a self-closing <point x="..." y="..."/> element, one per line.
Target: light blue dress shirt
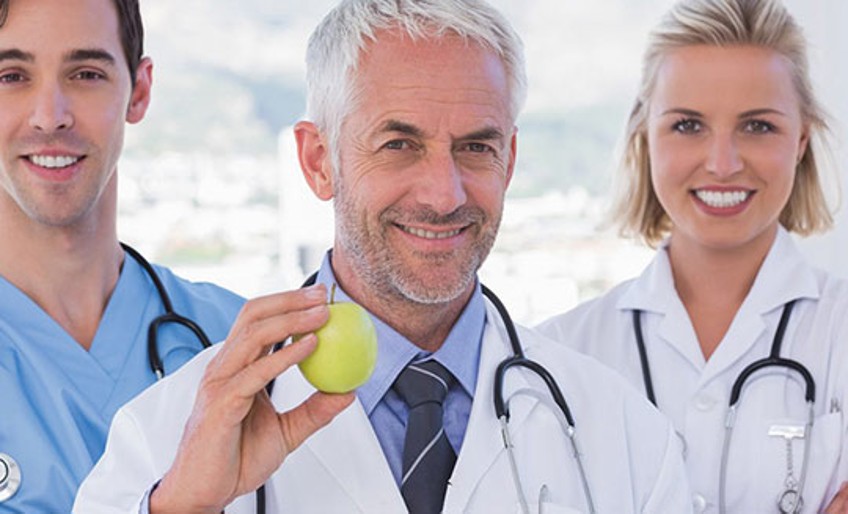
<point x="460" y="354"/>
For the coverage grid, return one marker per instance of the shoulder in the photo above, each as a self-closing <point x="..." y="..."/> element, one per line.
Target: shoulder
<point x="833" y="289"/>
<point x="589" y="315"/>
<point x="589" y="378"/>
<point x="198" y="296"/>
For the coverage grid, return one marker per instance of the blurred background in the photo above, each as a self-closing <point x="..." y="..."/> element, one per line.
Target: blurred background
<point x="211" y="187"/>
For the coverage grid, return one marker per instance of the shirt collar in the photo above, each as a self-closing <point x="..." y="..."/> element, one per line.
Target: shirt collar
<point x="459" y="354"/>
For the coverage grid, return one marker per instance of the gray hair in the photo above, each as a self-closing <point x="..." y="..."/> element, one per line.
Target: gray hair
<point x="336" y="45"/>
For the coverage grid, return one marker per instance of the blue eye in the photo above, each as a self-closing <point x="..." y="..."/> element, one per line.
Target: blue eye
<point x="759" y="127"/>
<point x="397" y="144"/>
<point x="687" y="126"/>
<point x="478" y="147"/>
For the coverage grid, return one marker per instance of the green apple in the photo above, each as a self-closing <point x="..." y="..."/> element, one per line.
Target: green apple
<point x="346" y="353"/>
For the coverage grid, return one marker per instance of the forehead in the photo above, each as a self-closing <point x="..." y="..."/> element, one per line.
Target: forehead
<point x="447" y="76"/>
<point x="742" y="77"/>
<point x="43" y="26"/>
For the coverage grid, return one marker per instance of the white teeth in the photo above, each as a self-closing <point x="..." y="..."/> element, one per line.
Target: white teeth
<point x="428" y="234"/>
<point x="722" y="199"/>
<point x="53" y="161"/>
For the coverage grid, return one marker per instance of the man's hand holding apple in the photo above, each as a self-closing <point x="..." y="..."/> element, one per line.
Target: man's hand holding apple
<point x="235" y="439"/>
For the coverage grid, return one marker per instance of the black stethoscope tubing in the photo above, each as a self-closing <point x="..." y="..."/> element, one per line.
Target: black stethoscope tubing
<point x="517" y="360"/>
<point x="170" y="316"/>
<point x="792" y="495"/>
<point x="773" y="360"/>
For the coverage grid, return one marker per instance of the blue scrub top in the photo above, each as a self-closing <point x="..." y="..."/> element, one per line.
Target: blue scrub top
<point x="57" y="400"/>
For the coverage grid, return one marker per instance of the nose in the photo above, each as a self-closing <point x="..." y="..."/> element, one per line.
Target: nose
<point x="724" y="159"/>
<point x="51" y="110"/>
<point x="440" y="185"/>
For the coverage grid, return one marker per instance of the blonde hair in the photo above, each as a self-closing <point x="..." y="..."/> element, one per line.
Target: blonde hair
<point x="763" y="23"/>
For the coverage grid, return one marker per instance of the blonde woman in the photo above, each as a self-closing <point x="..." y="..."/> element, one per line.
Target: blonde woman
<point x="720" y="167"/>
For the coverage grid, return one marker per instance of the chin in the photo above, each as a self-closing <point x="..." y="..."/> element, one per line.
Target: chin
<point x="431" y="290"/>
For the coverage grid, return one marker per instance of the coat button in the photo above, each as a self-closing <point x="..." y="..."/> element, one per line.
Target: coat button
<point x="705" y="402"/>
<point x="699" y="503"/>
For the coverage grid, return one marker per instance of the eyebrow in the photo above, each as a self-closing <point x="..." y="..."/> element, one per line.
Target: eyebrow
<point x="760" y="112"/>
<point x="90" y="54"/>
<point x="747" y="114"/>
<point x="14" y="54"/>
<point x="684" y="112"/>
<point x="79" y="55"/>
<point x="401" y="127"/>
<point x="484" y="134"/>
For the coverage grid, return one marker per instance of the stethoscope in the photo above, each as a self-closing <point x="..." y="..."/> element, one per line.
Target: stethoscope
<point x="10" y="471"/>
<point x="791" y="499"/>
<point x="170" y="316"/>
<point x="501" y="407"/>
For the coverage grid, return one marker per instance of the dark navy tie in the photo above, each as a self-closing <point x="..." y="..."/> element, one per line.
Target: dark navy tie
<point x="428" y="457"/>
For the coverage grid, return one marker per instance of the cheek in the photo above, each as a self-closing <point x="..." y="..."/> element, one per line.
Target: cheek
<point x="775" y="164"/>
<point x="672" y="162"/>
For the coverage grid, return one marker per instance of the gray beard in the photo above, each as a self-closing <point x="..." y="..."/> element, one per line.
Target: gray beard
<point x="375" y="264"/>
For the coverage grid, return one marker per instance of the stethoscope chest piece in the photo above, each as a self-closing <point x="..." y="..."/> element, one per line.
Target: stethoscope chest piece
<point x="10" y="477"/>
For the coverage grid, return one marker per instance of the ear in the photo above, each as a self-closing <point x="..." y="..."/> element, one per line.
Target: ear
<point x="140" y="97"/>
<point x="513" y="152"/>
<point x="315" y="159"/>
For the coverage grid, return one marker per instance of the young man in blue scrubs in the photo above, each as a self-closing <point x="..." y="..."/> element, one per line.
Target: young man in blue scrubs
<point x="74" y="306"/>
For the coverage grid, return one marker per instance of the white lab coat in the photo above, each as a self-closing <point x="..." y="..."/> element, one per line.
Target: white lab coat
<point x="633" y="459"/>
<point x="695" y="393"/>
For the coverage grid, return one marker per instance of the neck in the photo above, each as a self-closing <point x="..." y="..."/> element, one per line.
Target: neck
<point x="68" y="271"/>
<point x="712" y="283"/>
<point x="425" y="325"/>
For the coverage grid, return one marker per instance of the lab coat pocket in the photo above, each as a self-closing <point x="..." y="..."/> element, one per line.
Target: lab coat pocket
<point x="826" y="448"/>
<point x="780" y="450"/>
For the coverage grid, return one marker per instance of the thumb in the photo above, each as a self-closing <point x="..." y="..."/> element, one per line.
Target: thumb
<point x="311" y="415"/>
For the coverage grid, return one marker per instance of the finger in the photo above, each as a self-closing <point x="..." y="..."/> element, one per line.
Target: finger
<point x="839" y="503"/>
<point x="278" y="303"/>
<point x="255" y="377"/>
<point x="253" y="341"/>
<point x="311" y="415"/>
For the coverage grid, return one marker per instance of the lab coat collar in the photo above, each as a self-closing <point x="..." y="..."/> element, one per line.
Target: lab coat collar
<point x="346" y="447"/>
<point x="483" y="443"/>
<point x="783" y="276"/>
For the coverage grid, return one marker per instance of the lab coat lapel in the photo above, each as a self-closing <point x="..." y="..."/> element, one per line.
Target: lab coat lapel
<point x="483" y="443"/>
<point x="654" y="292"/>
<point x="783" y="276"/>
<point x="349" y="452"/>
